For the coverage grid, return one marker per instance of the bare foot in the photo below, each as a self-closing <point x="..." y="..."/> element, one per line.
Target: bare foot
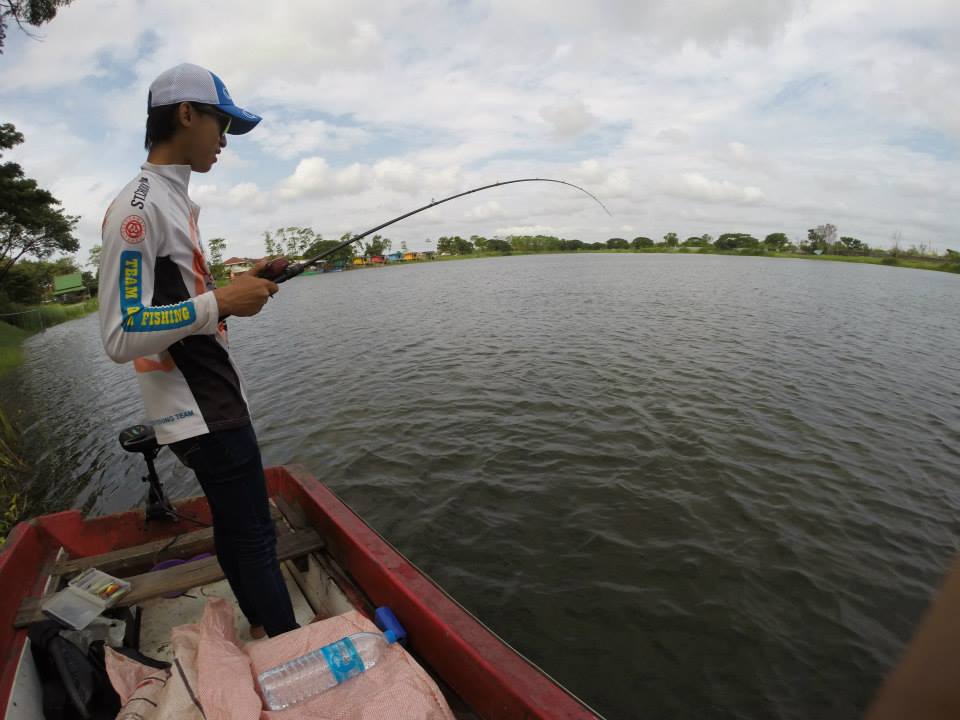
<point x="257" y="632"/>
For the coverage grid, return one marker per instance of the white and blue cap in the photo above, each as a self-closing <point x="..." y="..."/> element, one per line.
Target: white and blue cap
<point x="191" y="83"/>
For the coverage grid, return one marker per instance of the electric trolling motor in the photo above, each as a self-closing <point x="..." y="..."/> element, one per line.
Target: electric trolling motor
<point x="142" y="439"/>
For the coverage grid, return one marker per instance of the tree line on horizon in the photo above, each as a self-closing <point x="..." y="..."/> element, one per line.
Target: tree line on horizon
<point x="303" y="242"/>
<point x="822" y="238"/>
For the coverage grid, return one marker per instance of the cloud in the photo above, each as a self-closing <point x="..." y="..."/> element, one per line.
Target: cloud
<point x="917" y="187"/>
<point x="673" y="135"/>
<point x="486" y="211"/>
<point x="292" y="139"/>
<point x="704" y="22"/>
<point x="567" y="118"/>
<point x="397" y="175"/>
<point x="591" y="171"/>
<point x="695" y="186"/>
<point x="248" y="195"/>
<point x="313" y="176"/>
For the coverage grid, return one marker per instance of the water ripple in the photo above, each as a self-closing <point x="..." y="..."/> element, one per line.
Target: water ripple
<point x="687" y="486"/>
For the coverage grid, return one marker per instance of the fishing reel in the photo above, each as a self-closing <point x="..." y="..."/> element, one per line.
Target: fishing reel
<point x="142" y="439"/>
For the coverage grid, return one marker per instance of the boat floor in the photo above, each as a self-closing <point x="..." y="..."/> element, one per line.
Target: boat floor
<point x="160" y="615"/>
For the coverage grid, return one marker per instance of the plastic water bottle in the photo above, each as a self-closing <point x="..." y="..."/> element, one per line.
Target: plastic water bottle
<point x="304" y="677"/>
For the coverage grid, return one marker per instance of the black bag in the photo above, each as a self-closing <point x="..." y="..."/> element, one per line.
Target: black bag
<point x="74" y="684"/>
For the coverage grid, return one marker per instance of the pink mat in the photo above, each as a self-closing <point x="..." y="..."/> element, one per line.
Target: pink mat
<point x="212" y="671"/>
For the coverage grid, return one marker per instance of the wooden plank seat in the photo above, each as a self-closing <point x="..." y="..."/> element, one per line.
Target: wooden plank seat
<point x="182" y="577"/>
<point x="140" y="557"/>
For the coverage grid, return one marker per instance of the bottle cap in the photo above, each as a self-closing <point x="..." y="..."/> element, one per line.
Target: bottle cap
<point x="391" y="627"/>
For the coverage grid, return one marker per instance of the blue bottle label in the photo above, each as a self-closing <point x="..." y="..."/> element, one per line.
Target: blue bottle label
<point x="343" y="659"/>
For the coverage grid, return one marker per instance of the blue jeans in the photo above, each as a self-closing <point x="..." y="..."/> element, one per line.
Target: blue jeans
<point x="228" y="465"/>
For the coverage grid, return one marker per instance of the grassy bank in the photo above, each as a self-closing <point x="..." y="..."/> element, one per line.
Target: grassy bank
<point x="10" y="339"/>
<point x="917" y="263"/>
<point x="39" y="317"/>
<point x="21" y="321"/>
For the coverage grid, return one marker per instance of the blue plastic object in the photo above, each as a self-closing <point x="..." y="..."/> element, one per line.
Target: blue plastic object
<point x="392" y="629"/>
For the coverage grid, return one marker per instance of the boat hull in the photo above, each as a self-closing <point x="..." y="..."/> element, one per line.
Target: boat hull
<point x="492" y="679"/>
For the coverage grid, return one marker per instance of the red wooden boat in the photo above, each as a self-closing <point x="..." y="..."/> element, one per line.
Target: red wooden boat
<point x="336" y="559"/>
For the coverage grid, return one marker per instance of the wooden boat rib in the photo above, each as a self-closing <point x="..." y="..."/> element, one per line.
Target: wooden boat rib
<point x="342" y="564"/>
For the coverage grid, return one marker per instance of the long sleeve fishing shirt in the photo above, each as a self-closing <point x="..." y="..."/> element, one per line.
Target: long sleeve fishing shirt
<point x="158" y="310"/>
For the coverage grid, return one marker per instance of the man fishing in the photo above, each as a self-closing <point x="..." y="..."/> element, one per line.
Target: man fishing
<point x="160" y="309"/>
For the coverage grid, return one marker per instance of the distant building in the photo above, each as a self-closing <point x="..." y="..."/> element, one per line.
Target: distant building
<point x="69" y="288"/>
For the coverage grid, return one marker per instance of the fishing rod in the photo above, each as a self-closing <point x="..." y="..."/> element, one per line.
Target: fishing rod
<point x="281" y="269"/>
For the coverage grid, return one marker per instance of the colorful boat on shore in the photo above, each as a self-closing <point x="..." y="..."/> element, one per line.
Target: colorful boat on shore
<point x="333" y="561"/>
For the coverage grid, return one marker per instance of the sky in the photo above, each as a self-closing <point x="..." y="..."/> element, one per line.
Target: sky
<point x="692" y="117"/>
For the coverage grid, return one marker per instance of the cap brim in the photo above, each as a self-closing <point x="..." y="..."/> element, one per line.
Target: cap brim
<point x="241" y="121"/>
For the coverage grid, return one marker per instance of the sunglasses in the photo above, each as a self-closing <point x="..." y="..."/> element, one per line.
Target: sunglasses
<point x="222" y="118"/>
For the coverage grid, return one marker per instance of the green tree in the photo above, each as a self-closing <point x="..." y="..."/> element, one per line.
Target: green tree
<point x="571" y="245"/>
<point x="287" y="241"/>
<point x="776" y="241"/>
<point x="31" y="222"/>
<point x="671" y="239"/>
<point x="617" y="244"/>
<point x="290" y="241"/>
<point x="479" y="242"/>
<point x="854" y="245"/>
<point x="535" y="243"/>
<point x="216" y="246"/>
<point x="91" y="282"/>
<point x="31" y="281"/>
<point x="499" y="245"/>
<point x="270" y="245"/>
<point x="377" y="245"/>
<point x="93" y="259"/>
<point x="736" y="241"/>
<point x="343" y="256"/>
<point x="27" y="12"/>
<point x="304" y="239"/>
<point x="455" y="245"/>
<point x="641" y="242"/>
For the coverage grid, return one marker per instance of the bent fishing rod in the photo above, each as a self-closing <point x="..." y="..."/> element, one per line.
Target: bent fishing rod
<point x="281" y="269"/>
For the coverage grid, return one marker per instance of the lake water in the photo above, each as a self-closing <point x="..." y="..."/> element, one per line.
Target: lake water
<point x="685" y="486"/>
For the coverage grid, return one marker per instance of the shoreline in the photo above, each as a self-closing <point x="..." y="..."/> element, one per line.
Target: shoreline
<point x="938" y="264"/>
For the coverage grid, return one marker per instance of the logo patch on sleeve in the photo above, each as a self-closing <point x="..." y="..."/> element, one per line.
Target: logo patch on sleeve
<point x="133" y="229"/>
